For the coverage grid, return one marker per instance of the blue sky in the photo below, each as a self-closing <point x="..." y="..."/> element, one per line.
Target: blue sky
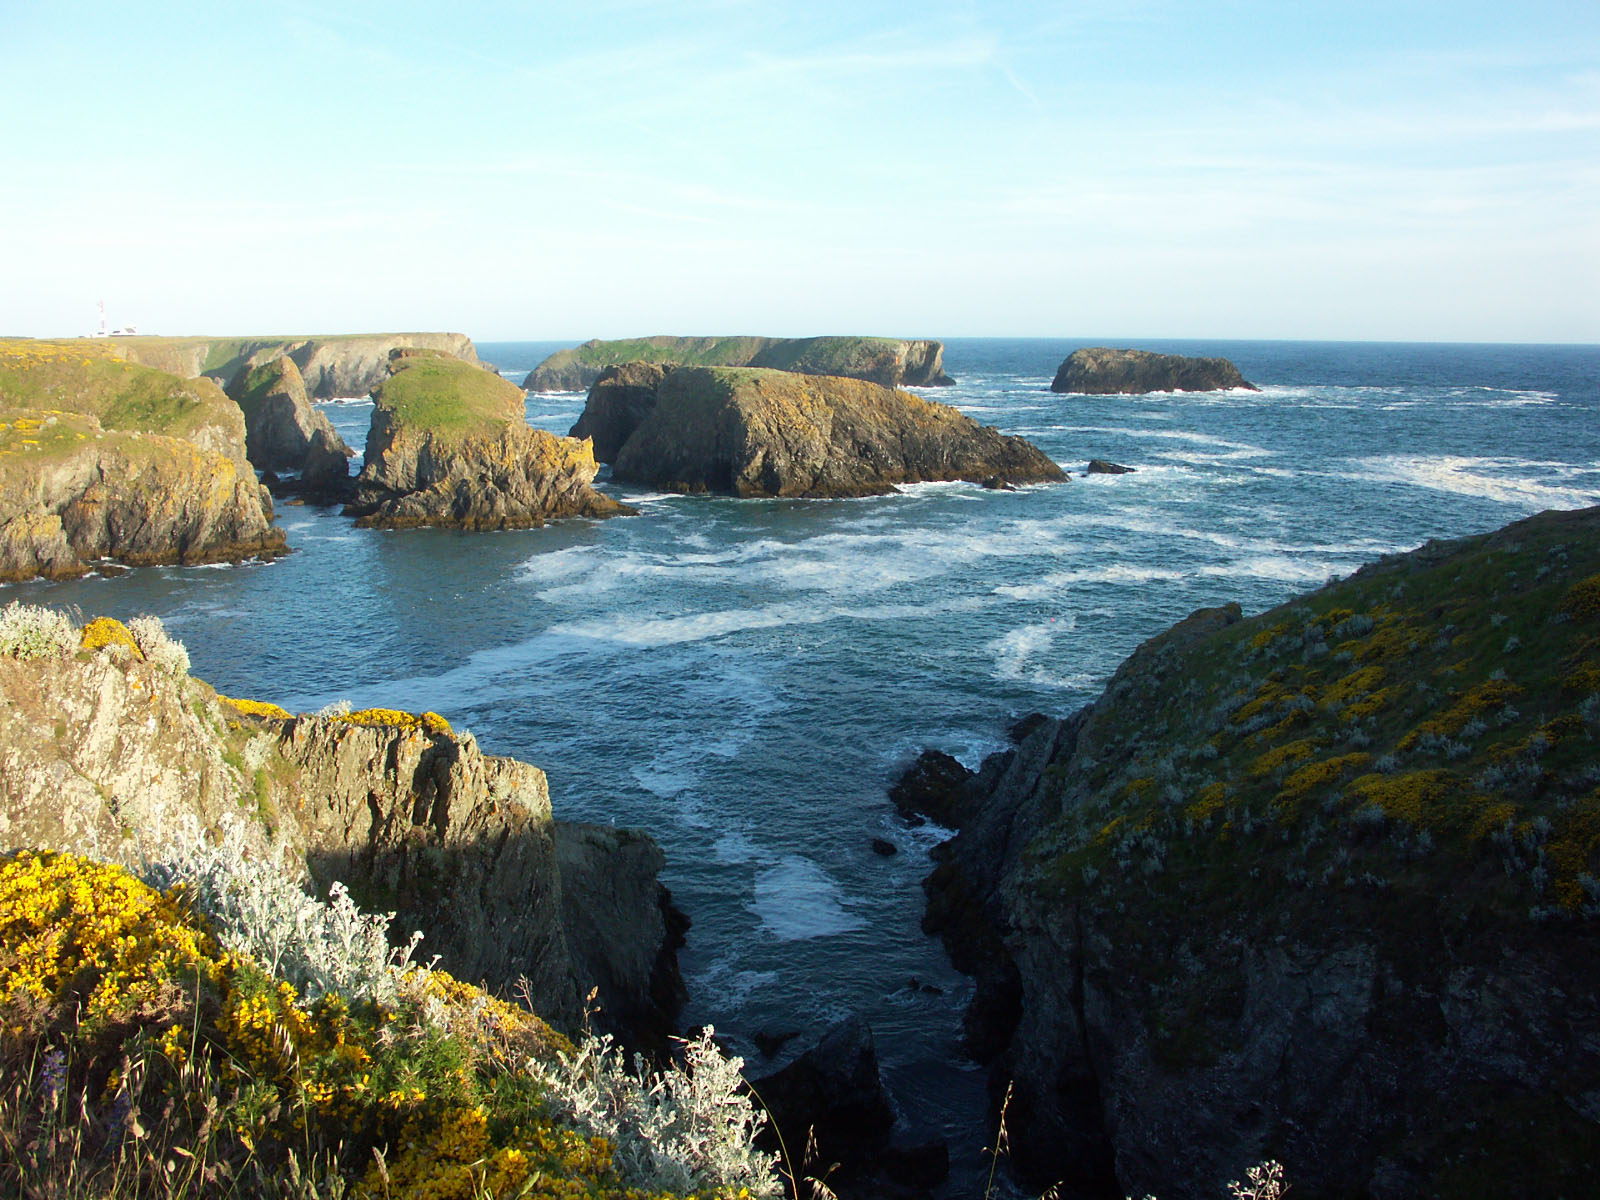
<point x="1352" y="170"/>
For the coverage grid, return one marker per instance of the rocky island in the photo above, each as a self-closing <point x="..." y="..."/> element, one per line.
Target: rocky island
<point x="284" y="433"/>
<point x="1101" y="371"/>
<point x="104" y="459"/>
<point x="450" y="446"/>
<point x="761" y="432"/>
<point x="1318" y="886"/>
<point x="889" y="361"/>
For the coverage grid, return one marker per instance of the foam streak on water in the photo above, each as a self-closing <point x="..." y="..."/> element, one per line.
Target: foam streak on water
<point x="744" y="678"/>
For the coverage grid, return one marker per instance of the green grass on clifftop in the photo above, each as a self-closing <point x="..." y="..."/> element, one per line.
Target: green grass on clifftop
<point x="449" y="396"/>
<point x="85" y="377"/>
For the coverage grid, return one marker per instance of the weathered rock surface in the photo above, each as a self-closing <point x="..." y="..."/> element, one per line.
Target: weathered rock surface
<point x="450" y="446"/>
<point x="752" y="432"/>
<point x="283" y="432"/>
<point x="1208" y="929"/>
<point x="103" y="754"/>
<point x="1099" y="466"/>
<point x="100" y="459"/>
<point x="889" y="361"/>
<point x="1099" y="371"/>
<point x="340" y="365"/>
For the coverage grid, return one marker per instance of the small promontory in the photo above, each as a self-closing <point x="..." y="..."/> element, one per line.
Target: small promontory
<point x="756" y="432"/>
<point x="1102" y="371"/>
<point x="1320" y="885"/>
<point x="284" y="433"/>
<point x="103" y="459"/>
<point x="890" y="361"/>
<point x="450" y="446"/>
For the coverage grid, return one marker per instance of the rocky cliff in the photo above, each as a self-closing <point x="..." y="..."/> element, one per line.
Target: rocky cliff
<point x="889" y="361"/>
<point x="333" y="365"/>
<point x="759" y="432"/>
<point x="1317" y="886"/>
<point x="105" y="753"/>
<point x="101" y="459"/>
<point x="1101" y="371"/>
<point x="284" y="433"/>
<point x="450" y="445"/>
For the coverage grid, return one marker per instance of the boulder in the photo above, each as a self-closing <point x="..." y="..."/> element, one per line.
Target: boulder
<point x="283" y="432"/>
<point x="935" y="787"/>
<point x="832" y="1091"/>
<point x="754" y="432"/>
<point x="450" y="446"/>
<point x="1100" y="370"/>
<point x="889" y="361"/>
<point x="1099" y="466"/>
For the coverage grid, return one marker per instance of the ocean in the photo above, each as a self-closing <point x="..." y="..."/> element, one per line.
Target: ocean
<point x="744" y="679"/>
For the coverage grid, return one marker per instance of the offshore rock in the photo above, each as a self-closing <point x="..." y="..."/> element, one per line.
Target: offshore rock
<point x="1208" y="928"/>
<point x="283" y="432"/>
<point x="450" y="446"/>
<point x="1100" y="371"/>
<point x="341" y="365"/>
<point x="889" y="361"/>
<point x="752" y="432"/>
<point x="1099" y="466"/>
<point x="100" y="459"/>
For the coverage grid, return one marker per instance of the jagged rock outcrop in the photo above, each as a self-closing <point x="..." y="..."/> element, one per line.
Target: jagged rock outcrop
<point x="450" y="445"/>
<point x="1315" y="886"/>
<point x="1101" y="371"/>
<point x="889" y="361"/>
<point x="100" y="459"/>
<point x="1099" y="466"/>
<point x="284" y="433"/>
<point x="339" y="365"/>
<point x="103" y="754"/>
<point x="757" y="432"/>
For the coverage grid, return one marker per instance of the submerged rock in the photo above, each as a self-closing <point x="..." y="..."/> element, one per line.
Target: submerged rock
<point x="889" y="361"/>
<point x="450" y="445"/>
<point x="283" y="432"/>
<point x="750" y="432"/>
<point x="1100" y="371"/>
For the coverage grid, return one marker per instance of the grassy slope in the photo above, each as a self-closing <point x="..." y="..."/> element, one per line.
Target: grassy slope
<point x="817" y="356"/>
<point x="448" y="396"/>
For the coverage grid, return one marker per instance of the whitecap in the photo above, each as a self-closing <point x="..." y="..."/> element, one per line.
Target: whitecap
<point x="796" y="899"/>
<point x="1495" y="479"/>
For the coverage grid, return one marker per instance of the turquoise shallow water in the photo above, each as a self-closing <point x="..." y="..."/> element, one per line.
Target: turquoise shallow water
<point x="743" y="678"/>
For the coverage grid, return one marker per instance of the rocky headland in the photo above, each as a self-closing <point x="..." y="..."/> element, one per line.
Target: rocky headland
<point x="761" y="432"/>
<point x="889" y="361"/>
<point x="450" y="446"/>
<point x="1102" y="371"/>
<point x="104" y="459"/>
<point x="108" y="751"/>
<point x="330" y="365"/>
<point x="285" y="434"/>
<point x="1317" y="886"/>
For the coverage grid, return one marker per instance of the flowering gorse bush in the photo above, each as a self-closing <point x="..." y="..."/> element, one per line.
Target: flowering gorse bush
<point x="31" y="631"/>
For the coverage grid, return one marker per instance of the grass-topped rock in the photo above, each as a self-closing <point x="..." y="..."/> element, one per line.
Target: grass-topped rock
<point x="284" y="433"/>
<point x="1102" y="371"/>
<point x="890" y="361"/>
<point x="450" y="445"/>
<point x="104" y="459"/>
<point x="1321" y="885"/>
<point x="749" y="431"/>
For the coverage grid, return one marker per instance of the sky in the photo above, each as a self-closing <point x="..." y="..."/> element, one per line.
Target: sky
<point x="613" y="168"/>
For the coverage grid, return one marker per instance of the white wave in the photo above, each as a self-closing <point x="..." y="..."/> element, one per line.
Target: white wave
<point x="730" y="983"/>
<point x="664" y="781"/>
<point x="734" y="848"/>
<point x="796" y="900"/>
<point x="1497" y="479"/>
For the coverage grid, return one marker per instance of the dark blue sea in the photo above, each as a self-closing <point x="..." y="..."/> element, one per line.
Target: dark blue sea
<point x="744" y="678"/>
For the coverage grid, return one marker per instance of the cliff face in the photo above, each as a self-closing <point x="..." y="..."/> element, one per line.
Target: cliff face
<point x="103" y="754"/>
<point x="1102" y="371"/>
<point x="102" y="459"/>
<point x="889" y="361"/>
<point x="1316" y="886"/>
<point x="337" y="365"/>
<point x="283" y="432"/>
<point x="754" y="432"/>
<point x="450" y="446"/>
